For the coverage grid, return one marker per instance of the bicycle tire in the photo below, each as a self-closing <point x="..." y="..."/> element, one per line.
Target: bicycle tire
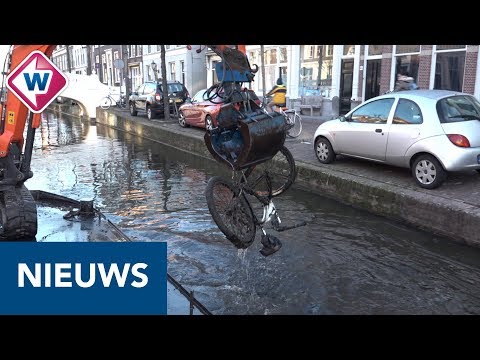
<point x="232" y="214"/>
<point x="105" y="103"/>
<point x="296" y="125"/>
<point x="282" y="172"/>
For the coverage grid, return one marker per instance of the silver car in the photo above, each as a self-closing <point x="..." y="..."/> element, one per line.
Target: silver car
<point x="430" y="132"/>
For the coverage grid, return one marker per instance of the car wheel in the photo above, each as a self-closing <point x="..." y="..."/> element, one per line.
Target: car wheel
<point x="324" y="150"/>
<point x="150" y="113"/>
<point x="181" y="120"/>
<point x="428" y="172"/>
<point x="133" y="110"/>
<point x="208" y="123"/>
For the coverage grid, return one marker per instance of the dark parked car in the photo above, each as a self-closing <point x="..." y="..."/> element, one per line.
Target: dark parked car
<point x="148" y="97"/>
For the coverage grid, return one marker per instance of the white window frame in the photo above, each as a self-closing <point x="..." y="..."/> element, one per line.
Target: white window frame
<point x="394" y="62"/>
<point x="434" y="64"/>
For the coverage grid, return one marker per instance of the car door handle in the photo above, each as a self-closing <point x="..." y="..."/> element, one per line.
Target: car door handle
<point x="378" y="130"/>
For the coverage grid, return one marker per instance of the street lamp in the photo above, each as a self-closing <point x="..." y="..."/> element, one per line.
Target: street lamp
<point x="154" y="68"/>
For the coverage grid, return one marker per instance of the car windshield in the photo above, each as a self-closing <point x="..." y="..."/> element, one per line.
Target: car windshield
<point x="458" y="108"/>
<point x="205" y="95"/>
<point x="199" y="95"/>
<point x="174" y="88"/>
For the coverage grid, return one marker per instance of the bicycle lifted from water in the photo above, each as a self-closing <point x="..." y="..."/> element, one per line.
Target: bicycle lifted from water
<point x="251" y="142"/>
<point x="230" y="201"/>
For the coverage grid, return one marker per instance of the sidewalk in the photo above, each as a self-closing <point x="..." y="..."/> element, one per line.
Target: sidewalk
<point x="452" y="210"/>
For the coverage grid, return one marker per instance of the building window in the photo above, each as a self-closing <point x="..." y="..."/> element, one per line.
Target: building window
<point x="375" y="50"/>
<point x="149" y="49"/>
<point x="449" y="70"/>
<point x="182" y="69"/>
<point x="329" y="51"/>
<point x="407" y="58"/>
<point x="271" y="57"/>
<point x="407" y="65"/>
<point x="405" y="49"/>
<point x="172" y="70"/>
<point x="283" y="55"/>
<point x="309" y="52"/>
<point x="104" y="69"/>
<point x="316" y="72"/>
<point x="214" y="72"/>
<point x="347" y="50"/>
<point x="253" y="55"/>
<point x="117" y="70"/>
<point x="450" y="47"/>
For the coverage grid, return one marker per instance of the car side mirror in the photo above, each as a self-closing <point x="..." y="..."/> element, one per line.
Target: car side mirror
<point x="188" y="99"/>
<point x="343" y="118"/>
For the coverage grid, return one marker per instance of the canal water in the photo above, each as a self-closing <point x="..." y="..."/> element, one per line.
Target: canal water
<point x="345" y="261"/>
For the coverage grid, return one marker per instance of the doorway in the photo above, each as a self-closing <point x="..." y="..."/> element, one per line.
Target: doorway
<point x="372" y="81"/>
<point x="346" y="81"/>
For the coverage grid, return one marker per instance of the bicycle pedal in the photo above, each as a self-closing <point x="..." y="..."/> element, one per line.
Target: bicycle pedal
<point x="271" y="245"/>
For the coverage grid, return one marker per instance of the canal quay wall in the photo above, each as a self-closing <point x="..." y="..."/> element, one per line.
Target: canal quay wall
<point x="452" y="212"/>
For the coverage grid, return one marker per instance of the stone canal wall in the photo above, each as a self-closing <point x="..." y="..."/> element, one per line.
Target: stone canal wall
<point x="452" y="218"/>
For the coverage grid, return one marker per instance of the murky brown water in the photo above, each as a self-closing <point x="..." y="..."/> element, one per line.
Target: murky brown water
<point x="344" y="261"/>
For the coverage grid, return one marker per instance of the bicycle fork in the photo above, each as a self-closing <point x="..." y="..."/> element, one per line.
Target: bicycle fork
<point x="272" y="244"/>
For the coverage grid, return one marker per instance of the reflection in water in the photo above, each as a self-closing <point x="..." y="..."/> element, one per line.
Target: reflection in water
<point x="344" y="261"/>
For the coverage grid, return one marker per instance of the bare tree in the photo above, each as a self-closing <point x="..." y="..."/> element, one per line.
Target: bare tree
<point x="320" y="65"/>
<point x="166" y="100"/>
<point x="89" y="59"/>
<point x="262" y="64"/>
<point x="128" y="84"/>
<point x="69" y="59"/>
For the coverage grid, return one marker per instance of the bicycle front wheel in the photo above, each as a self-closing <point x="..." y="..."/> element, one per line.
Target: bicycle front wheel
<point x="105" y="103"/>
<point x="277" y="174"/>
<point x="232" y="213"/>
<point x="295" y="123"/>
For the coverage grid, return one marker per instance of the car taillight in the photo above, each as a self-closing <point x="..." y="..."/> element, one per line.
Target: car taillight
<point x="459" y="140"/>
<point x="158" y="97"/>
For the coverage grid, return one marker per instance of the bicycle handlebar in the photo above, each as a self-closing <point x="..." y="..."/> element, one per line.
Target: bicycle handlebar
<point x="283" y="228"/>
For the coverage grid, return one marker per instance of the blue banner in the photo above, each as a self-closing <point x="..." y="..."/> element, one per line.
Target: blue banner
<point x="85" y="278"/>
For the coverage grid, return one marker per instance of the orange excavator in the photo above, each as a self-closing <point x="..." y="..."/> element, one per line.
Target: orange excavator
<point x="18" y="211"/>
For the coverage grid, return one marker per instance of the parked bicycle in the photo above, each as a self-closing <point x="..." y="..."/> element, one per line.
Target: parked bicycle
<point x="108" y="101"/>
<point x="293" y="118"/>
<point x="233" y="211"/>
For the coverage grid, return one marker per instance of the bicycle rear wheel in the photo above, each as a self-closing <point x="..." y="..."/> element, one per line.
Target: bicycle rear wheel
<point x="105" y="103"/>
<point x="232" y="213"/>
<point x="280" y="171"/>
<point x="295" y="123"/>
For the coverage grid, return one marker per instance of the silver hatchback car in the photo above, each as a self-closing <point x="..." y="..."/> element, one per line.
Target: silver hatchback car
<point x="431" y="132"/>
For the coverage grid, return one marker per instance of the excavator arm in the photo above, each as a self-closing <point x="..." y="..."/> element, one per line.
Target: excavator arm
<point x="18" y="215"/>
<point x="246" y="134"/>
